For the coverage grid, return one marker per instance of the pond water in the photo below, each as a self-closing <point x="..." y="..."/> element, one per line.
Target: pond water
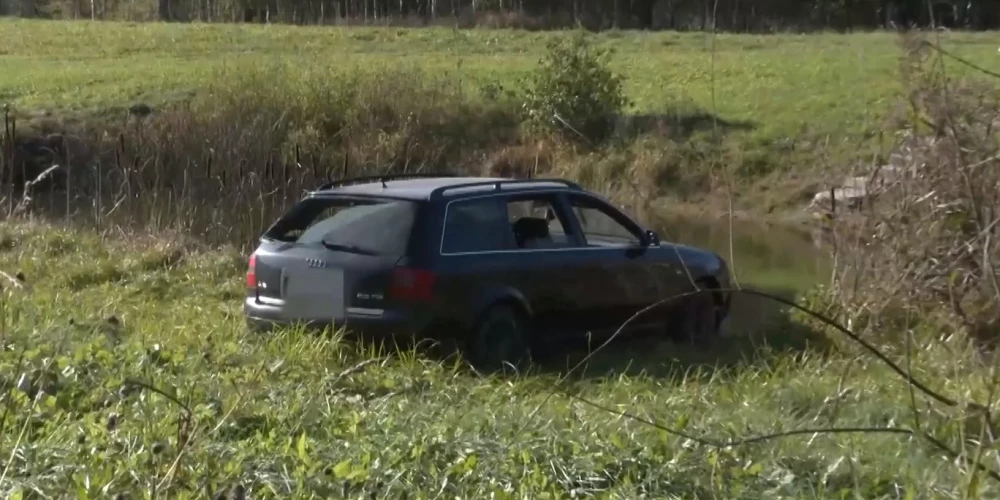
<point x="776" y="258"/>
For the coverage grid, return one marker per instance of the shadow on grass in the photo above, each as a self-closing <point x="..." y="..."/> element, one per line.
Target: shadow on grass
<point x="759" y="330"/>
<point x="677" y="124"/>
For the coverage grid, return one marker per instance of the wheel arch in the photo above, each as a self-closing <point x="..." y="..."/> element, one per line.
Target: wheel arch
<point x="511" y="301"/>
<point x="502" y="296"/>
<point x="712" y="283"/>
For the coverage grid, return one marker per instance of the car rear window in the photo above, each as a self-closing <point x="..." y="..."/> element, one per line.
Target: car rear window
<point x="380" y="226"/>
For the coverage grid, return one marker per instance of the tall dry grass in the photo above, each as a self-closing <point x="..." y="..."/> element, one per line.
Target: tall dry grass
<point x="924" y="249"/>
<point x="223" y="165"/>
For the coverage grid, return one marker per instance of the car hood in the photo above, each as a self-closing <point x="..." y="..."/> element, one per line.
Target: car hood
<point x="706" y="261"/>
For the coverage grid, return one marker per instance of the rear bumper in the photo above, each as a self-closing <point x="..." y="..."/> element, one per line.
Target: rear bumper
<point x="376" y="322"/>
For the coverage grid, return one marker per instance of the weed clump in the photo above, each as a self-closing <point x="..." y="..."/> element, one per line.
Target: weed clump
<point x="574" y="93"/>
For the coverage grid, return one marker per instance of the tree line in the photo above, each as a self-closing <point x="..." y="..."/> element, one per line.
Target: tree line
<point x="744" y="16"/>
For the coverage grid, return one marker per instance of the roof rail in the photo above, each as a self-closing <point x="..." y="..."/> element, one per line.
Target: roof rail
<point x="381" y="178"/>
<point x="497" y="185"/>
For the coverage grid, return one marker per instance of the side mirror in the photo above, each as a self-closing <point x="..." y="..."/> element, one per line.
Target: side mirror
<point x="650" y="238"/>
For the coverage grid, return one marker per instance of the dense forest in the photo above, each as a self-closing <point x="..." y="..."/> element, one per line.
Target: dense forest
<point x="758" y="16"/>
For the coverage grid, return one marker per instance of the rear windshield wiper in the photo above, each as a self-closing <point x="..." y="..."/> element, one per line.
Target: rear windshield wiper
<point x="337" y="247"/>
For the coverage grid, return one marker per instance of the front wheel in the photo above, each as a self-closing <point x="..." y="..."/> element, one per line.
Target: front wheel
<point x="700" y="320"/>
<point x="498" y="341"/>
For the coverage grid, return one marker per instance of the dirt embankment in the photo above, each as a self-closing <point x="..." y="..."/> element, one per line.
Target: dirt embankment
<point x="29" y="155"/>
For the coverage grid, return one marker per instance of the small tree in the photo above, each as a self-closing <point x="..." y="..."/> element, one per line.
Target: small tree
<point x="574" y="92"/>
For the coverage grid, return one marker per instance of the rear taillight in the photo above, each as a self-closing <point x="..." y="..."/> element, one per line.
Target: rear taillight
<point x="252" y="272"/>
<point x="412" y="284"/>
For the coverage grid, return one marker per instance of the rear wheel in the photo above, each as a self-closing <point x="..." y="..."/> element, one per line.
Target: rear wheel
<point x="498" y="341"/>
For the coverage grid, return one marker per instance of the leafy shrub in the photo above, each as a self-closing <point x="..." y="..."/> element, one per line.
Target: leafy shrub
<point x="574" y="92"/>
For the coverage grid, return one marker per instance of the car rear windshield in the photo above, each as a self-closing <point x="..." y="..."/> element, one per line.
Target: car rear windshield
<point x="379" y="226"/>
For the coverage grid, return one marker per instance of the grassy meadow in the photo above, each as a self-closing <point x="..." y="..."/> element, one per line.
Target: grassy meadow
<point x="126" y="369"/>
<point x="786" y="85"/>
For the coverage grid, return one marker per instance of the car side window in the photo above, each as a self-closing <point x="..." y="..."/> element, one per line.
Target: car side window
<point x="600" y="227"/>
<point x="536" y="224"/>
<point x="477" y="225"/>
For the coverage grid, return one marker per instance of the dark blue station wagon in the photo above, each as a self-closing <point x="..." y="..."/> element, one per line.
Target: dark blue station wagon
<point x="501" y="265"/>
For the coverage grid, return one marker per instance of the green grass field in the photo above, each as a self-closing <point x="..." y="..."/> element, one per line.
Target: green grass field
<point x="790" y="86"/>
<point x="125" y="366"/>
<point x="296" y="415"/>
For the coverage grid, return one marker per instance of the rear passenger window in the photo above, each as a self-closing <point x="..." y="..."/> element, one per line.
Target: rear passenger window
<point x="477" y="225"/>
<point x="499" y="223"/>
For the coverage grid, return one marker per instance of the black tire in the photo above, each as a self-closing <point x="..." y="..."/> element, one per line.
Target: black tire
<point x="499" y="341"/>
<point x="700" y="320"/>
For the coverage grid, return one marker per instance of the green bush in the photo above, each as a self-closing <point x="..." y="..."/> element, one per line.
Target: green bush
<point x="574" y="92"/>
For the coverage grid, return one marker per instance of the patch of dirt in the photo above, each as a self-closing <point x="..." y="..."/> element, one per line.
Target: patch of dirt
<point x="33" y="154"/>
